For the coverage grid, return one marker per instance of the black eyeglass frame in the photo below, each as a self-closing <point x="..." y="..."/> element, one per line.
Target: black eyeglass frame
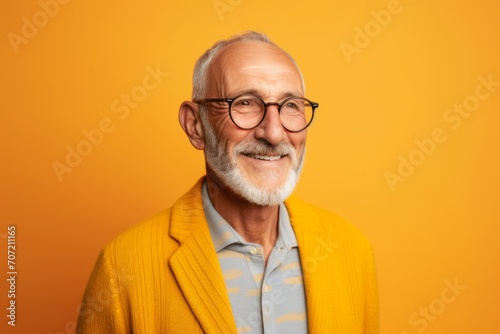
<point x="230" y="101"/>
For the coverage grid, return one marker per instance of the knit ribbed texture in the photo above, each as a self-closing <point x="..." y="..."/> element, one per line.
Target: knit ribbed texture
<point x="163" y="276"/>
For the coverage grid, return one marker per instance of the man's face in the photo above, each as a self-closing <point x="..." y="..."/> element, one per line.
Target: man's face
<point x="263" y="164"/>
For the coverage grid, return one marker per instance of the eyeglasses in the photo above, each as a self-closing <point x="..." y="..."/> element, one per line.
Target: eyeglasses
<point x="247" y="111"/>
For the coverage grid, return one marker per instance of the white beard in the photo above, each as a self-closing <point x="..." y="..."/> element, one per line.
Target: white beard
<point x="225" y="167"/>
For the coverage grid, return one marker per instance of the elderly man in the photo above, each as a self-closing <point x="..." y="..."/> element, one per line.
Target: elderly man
<point x="236" y="254"/>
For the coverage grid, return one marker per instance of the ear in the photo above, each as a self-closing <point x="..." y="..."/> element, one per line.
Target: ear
<point x="190" y="121"/>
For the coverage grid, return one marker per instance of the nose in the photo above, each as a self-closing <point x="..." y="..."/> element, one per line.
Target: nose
<point x="270" y="129"/>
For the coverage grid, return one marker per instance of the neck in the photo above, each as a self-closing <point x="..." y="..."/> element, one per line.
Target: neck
<point x="256" y="224"/>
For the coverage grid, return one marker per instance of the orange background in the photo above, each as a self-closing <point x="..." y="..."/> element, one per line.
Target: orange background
<point x="440" y="224"/>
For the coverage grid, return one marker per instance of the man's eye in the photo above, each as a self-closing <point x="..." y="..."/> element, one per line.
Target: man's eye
<point x="245" y="103"/>
<point x="293" y="105"/>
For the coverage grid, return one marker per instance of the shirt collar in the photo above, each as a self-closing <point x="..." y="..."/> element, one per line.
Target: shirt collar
<point x="224" y="235"/>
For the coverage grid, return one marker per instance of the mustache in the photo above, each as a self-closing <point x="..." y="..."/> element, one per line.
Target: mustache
<point x="263" y="148"/>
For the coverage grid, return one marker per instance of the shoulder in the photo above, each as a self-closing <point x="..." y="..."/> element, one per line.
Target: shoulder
<point x="162" y="233"/>
<point x="141" y="242"/>
<point x="146" y="231"/>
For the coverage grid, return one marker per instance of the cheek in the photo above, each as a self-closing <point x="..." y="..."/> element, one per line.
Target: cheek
<point x="226" y="141"/>
<point x="298" y="140"/>
<point x="231" y="136"/>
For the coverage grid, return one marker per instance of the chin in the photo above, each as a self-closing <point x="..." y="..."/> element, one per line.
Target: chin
<point x="266" y="195"/>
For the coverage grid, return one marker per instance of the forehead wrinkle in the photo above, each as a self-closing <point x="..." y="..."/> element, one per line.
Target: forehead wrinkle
<point x="267" y="67"/>
<point x="257" y="81"/>
<point x="264" y="87"/>
<point x="236" y="56"/>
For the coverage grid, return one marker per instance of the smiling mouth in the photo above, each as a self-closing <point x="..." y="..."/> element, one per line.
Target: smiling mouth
<point x="264" y="157"/>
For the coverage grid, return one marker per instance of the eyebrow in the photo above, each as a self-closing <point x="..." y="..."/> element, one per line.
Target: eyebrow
<point x="257" y="93"/>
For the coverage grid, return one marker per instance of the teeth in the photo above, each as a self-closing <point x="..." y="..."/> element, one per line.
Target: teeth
<point x="267" y="157"/>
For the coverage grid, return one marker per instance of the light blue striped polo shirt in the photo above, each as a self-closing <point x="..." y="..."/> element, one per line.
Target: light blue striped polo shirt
<point x="264" y="299"/>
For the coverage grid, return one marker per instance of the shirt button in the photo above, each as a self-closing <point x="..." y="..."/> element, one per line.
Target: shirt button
<point x="253" y="250"/>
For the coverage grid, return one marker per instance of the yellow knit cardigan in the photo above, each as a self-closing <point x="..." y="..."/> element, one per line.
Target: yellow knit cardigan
<point x="163" y="276"/>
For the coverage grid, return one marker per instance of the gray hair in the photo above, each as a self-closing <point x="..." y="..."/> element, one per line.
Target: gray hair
<point x="200" y="78"/>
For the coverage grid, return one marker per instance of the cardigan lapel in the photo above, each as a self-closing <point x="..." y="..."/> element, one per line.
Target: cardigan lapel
<point x="196" y="267"/>
<point x="315" y="248"/>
